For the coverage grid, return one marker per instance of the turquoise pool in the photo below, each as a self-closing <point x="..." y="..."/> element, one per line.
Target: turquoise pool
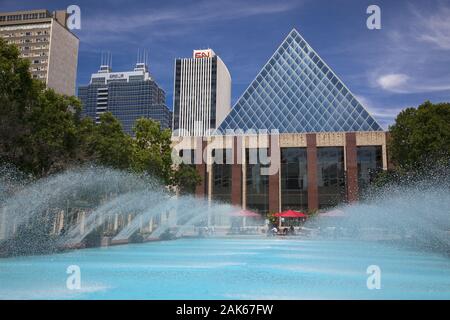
<point x="230" y="268"/>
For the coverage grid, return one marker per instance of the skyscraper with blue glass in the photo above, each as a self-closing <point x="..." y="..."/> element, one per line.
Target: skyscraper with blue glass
<point x="127" y="95"/>
<point x="323" y="143"/>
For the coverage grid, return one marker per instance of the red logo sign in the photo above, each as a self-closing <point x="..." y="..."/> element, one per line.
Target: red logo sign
<point x="202" y="54"/>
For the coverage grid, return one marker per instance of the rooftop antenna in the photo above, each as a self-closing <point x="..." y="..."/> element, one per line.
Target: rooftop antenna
<point x="105" y="61"/>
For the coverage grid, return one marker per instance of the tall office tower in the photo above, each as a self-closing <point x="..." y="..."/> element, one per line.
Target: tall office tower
<point x="202" y="94"/>
<point x="127" y="95"/>
<point x="44" y="39"/>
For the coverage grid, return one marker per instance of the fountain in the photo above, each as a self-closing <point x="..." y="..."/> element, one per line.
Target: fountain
<point x="402" y="231"/>
<point x="72" y="206"/>
<point x="416" y="215"/>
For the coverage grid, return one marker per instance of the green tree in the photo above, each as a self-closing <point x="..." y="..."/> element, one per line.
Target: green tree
<point x="106" y="143"/>
<point x="421" y="135"/>
<point x="152" y="153"/>
<point x="52" y="141"/>
<point x="186" y="178"/>
<point x="152" y="150"/>
<point x="17" y="91"/>
<point x="38" y="132"/>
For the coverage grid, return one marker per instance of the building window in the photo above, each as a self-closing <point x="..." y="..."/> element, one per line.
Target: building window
<point x="221" y="175"/>
<point x="370" y="162"/>
<point x="294" y="184"/>
<point x="257" y="185"/>
<point x="331" y="177"/>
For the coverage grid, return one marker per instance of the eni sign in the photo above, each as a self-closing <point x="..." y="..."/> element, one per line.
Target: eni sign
<point x="116" y="76"/>
<point x="199" y="54"/>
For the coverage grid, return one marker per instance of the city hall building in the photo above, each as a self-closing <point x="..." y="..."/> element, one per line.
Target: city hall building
<point x="323" y="145"/>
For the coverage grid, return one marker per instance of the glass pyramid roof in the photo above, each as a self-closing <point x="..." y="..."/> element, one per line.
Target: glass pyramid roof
<point x="297" y="92"/>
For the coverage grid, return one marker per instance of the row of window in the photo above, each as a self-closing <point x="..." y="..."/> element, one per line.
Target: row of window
<point x="39" y="76"/>
<point x="294" y="177"/>
<point x="33" y="55"/>
<point x="34" y="69"/>
<point x="43" y="61"/>
<point x="22" y="41"/>
<point x="29" y="48"/>
<point x="25" y="16"/>
<point x="25" y="34"/>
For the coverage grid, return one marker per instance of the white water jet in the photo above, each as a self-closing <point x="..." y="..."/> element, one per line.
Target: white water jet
<point x="417" y="215"/>
<point x="145" y="217"/>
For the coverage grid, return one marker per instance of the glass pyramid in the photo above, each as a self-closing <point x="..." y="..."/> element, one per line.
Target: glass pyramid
<point x="297" y="92"/>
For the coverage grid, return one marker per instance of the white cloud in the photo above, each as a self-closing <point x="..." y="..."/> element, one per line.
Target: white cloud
<point x="402" y="83"/>
<point x="434" y="28"/>
<point x="176" y="20"/>
<point x="413" y="54"/>
<point x="392" y="82"/>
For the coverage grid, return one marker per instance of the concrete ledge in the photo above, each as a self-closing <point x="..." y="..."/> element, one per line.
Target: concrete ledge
<point x="105" y="242"/>
<point x="118" y="242"/>
<point x="151" y="239"/>
<point x="79" y="245"/>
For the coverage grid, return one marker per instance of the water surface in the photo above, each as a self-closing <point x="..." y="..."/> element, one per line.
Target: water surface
<point x="232" y="268"/>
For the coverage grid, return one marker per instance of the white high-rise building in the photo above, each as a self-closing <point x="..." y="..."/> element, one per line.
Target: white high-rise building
<point x="202" y="94"/>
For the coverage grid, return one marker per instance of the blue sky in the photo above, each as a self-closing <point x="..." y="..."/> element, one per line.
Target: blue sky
<point x="401" y="65"/>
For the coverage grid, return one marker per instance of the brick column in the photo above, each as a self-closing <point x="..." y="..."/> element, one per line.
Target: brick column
<point x="311" y="154"/>
<point x="274" y="181"/>
<point x="352" y="166"/>
<point x="387" y="162"/>
<point x="236" y="174"/>
<point x="200" y="190"/>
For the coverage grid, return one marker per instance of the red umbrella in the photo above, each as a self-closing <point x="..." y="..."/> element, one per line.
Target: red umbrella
<point x="290" y="214"/>
<point x="246" y="213"/>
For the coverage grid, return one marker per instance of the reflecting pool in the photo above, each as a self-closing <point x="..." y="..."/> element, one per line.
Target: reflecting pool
<point x="230" y="268"/>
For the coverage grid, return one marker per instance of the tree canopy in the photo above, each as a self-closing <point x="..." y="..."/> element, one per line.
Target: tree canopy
<point x="421" y="135"/>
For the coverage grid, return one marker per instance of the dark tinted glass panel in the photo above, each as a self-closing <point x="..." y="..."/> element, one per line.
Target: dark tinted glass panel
<point x="257" y="185"/>
<point x="330" y="176"/>
<point x="221" y="176"/>
<point x="294" y="184"/>
<point x="369" y="164"/>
